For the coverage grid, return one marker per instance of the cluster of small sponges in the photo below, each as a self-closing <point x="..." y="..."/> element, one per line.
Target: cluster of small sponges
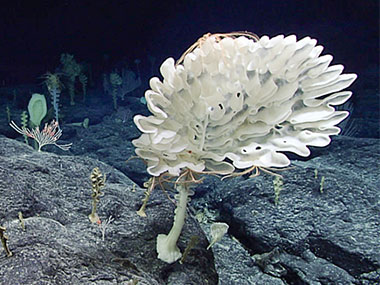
<point x="235" y="103"/>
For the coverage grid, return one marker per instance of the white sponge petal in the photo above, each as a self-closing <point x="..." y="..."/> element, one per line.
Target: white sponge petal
<point x="237" y="103"/>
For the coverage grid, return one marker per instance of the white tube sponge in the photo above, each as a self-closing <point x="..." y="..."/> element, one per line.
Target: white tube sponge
<point x="235" y="103"/>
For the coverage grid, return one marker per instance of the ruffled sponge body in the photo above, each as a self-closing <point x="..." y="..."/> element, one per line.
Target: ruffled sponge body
<point x="235" y="103"/>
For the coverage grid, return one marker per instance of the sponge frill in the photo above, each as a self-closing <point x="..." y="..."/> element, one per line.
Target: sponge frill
<point x="234" y="103"/>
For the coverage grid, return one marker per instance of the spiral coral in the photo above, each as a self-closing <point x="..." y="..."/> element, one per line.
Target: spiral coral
<point x="237" y="102"/>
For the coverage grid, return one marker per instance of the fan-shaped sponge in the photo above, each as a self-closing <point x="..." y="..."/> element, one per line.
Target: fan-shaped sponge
<point x="235" y="103"/>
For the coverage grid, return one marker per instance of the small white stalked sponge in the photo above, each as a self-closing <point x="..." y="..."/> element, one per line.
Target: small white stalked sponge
<point x="237" y="102"/>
